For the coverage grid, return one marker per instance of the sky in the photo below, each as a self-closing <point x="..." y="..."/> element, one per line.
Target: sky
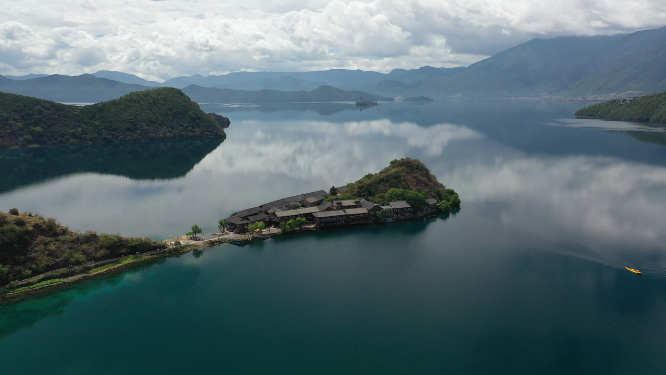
<point x="159" y="40"/>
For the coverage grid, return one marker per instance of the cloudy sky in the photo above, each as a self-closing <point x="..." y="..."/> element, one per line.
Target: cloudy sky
<point x="163" y="39"/>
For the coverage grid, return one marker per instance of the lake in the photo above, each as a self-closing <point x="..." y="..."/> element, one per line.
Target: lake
<point x="527" y="278"/>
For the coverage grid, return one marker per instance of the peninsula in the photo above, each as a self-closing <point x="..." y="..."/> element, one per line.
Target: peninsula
<point x="39" y="253"/>
<point x="649" y="108"/>
<point x="157" y="114"/>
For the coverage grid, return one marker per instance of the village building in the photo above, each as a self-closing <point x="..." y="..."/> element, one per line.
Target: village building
<point x="357" y="216"/>
<point x="372" y="208"/>
<point x="402" y="210"/>
<point x="307" y="213"/>
<point x="346" y="204"/>
<point x="387" y="214"/>
<point x="431" y="205"/>
<point x="237" y="225"/>
<point x="327" y="219"/>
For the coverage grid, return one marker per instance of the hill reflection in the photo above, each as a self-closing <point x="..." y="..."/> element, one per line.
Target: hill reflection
<point x="140" y="161"/>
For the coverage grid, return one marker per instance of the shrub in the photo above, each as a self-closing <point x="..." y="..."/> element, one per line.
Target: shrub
<point x="14" y="211"/>
<point x="19" y="222"/>
<point x="445" y="206"/>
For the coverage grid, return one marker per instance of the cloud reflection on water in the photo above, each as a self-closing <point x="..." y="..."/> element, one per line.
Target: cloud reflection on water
<point x="610" y="209"/>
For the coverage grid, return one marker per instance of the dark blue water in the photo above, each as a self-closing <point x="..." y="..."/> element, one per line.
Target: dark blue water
<point x="527" y="278"/>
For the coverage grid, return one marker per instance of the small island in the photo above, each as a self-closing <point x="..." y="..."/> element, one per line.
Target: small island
<point x="364" y="103"/>
<point x="648" y="108"/>
<point x="418" y="99"/>
<point x="157" y="114"/>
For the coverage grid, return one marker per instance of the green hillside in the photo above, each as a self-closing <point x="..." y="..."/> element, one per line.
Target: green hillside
<point x="163" y="113"/>
<point x="320" y="94"/>
<point x="649" y="108"/>
<point x="404" y="179"/>
<point x="31" y="245"/>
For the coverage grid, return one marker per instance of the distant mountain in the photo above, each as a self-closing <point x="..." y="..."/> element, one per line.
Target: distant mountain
<point x="284" y="83"/>
<point x="341" y="78"/>
<point x="125" y="78"/>
<point x="27" y="76"/>
<point x="85" y="88"/>
<point x="320" y="94"/>
<point x="565" y="66"/>
<point x="163" y="113"/>
<point x="413" y="75"/>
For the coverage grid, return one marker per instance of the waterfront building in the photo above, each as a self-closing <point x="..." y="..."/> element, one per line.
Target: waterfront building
<point x="357" y="216"/>
<point x="387" y="214"/>
<point x="402" y="210"/>
<point x="328" y="219"/>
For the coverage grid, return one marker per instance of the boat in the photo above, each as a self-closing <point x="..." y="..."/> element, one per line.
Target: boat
<point x="637" y="272"/>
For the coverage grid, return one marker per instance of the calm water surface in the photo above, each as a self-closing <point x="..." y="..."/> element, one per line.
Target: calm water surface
<point x="527" y="278"/>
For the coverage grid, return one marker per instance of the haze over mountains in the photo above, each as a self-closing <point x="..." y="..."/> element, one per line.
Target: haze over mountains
<point x="597" y="66"/>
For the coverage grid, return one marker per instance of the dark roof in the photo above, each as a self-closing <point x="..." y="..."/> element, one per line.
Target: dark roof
<point x="312" y="199"/>
<point x="431" y="201"/>
<point x="324" y="206"/>
<point x="347" y="202"/>
<point x="320" y="194"/>
<point x="367" y="204"/>
<point x="341" y="189"/>
<point x="329" y="213"/>
<point x="274" y="209"/>
<point x="257" y="217"/>
<point x="356" y="211"/>
<point x="248" y="212"/>
<point x="236" y="220"/>
<point x="287" y="213"/>
<point x="399" y="204"/>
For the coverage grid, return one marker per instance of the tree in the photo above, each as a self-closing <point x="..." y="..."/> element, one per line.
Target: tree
<point x="445" y="206"/>
<point x="222" y="225"/>
<point x="300" y="221"/>
<point x="380" y="215"/>
<point x="294" y="206"/>
<point x="455" y="200"/>
<point x="333" y="191"/>
<point x="196" y="230"/>
<point x="14" y="211"/>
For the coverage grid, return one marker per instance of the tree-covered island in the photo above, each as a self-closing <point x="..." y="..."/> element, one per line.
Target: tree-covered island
<point x="649" y="108"/>
<point x="157" y="114"/>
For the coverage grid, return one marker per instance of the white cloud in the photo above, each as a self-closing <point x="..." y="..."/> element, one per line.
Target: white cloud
<point x="160" y="39"/>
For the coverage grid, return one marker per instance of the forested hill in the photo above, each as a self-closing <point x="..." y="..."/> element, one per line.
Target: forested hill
<point x="649" y="108"/>
<point x="405" y="179"/>
<point x="320" y="94"/>
<point x="163" y="113"/>
<point x="31" y="245"/>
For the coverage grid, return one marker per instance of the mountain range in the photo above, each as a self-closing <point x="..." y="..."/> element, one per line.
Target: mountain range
<point x="590" y="66"/>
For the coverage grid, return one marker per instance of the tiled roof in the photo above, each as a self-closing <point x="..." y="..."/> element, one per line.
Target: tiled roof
<point x="248" y="212"/>
<point x="367" y="204"/>
<point x="236" y="220"/>
<point x="329" y="213"/>
<point x="356" y="211"/>
<point x="431" y="201"/>
<point x="257" y="217"/>
<point x="287" y="213"/>
<point x="348" y="202"/>
<point x="400" y="204"/>
<point x="324" y="206"/>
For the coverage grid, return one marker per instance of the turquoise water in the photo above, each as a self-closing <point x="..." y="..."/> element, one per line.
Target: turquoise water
<point x="527" y="278"/>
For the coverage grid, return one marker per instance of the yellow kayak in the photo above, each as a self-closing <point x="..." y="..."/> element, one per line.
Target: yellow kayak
<point x="637" y="272"/>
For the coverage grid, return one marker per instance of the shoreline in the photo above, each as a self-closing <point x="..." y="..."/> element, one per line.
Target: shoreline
<point x="120" y="264"/>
